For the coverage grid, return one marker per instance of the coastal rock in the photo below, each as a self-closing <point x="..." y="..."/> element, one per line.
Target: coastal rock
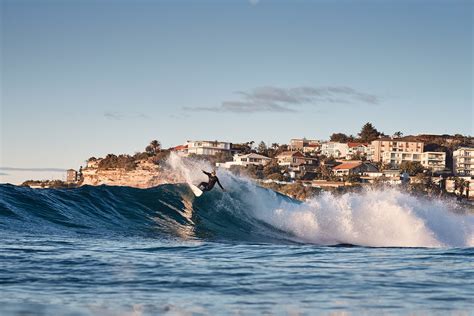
<point x="145" y="175"/>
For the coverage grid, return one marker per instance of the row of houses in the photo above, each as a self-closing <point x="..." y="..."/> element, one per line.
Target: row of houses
<point x="394" y="152"/>
<point x="387" y="151"/>
<point x="303" y="154"/>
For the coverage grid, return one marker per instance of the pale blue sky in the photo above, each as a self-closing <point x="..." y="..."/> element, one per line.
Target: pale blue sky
<point x="85" y="78"/>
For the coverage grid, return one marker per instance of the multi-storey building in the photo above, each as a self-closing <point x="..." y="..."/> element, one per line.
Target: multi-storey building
<point x="436" y="161"/>
<point x="463" y="161"/>
<point x="380" y="146"/>
<point x="204" y="147"/>
<point x="71" y="176"/>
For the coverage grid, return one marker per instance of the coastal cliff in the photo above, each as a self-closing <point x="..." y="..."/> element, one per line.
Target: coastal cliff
<point x="145" y="175"/>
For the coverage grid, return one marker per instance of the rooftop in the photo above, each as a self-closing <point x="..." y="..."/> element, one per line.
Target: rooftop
<point x="255" y="156"/>
<point x="347" y="165"/>
<point x="353" y="144"/>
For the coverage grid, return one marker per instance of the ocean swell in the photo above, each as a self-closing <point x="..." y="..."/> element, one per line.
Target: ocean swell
<point x="246" y="213"/>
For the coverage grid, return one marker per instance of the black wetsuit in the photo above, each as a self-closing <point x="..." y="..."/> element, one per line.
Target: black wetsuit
<point x="207" y="186"/>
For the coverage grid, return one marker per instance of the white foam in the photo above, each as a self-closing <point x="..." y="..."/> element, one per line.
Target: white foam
<point x="379" y="218"/>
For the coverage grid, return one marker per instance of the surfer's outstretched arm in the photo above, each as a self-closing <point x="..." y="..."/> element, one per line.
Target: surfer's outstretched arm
<point x="206" y="173"/>
<point x="219" y="183"/>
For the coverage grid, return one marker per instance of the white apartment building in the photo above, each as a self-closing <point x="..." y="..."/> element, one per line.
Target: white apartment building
<point x="245" y="160"/>
<point x="204" y="147"/>
<point x="463" y="161"/>
<point x="380" y="146"/>
<point x="334" y="149"/>
<point x="436" y="161"/>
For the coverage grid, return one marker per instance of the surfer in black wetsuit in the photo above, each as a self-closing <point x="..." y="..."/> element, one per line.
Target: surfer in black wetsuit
<point x="207" y="186"/>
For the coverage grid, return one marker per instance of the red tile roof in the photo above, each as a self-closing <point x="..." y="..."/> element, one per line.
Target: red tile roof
<point x="180" y="147"/>
<point x="347" y="166"/>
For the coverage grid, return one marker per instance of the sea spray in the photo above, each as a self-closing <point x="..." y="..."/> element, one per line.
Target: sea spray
<point x="380" y="218"/>
<point x="190" y="169"/>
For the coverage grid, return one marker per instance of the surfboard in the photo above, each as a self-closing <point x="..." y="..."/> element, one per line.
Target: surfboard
<point x="196" y="190"/>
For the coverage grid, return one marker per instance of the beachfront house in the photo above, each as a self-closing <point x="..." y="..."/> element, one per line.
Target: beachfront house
<point x="245" y="160"/>
<point x="208" y="148"/>
<point x="353" y="168"/>
<point x="291" y="158"/>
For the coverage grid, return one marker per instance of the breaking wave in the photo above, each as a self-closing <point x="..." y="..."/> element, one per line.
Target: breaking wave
<point x="245" y="213"/>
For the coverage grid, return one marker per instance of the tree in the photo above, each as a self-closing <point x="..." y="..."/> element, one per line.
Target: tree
<point x="412" y="167"/>
<point x="223" y="156"/>
<point x="324" y="172"/>
<point x="398" y="134"/>
<point x="339" y="137"/>
<point x="271" y="168"/>
<point x="368" y="133"/>
<point x="460" y="184"/>
<point x="262" y="148"/>
<point x="153" y="148"/>
<point x="248" y="147"/>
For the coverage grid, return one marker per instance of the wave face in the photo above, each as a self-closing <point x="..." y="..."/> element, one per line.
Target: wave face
<point x="246" y="213"/>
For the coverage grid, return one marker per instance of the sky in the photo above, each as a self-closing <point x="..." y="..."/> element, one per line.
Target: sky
<point x="83" y="78"/>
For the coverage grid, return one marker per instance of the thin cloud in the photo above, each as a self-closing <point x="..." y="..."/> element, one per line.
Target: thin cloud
<point x="32" y="169"/>
<point x="274" y="99"/>
<point x="115" y="115"/>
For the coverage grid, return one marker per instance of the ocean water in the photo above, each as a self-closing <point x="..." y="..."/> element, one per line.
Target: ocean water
<point x="124" y="251"/>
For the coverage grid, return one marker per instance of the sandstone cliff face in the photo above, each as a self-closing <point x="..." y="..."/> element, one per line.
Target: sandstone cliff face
<point x="146" y="175"/>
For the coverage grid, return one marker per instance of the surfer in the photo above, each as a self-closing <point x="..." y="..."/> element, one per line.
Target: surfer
<point x="207" y="186"/>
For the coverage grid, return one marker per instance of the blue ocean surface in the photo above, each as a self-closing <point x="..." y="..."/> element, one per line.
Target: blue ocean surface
<point x="125" y="251"/>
